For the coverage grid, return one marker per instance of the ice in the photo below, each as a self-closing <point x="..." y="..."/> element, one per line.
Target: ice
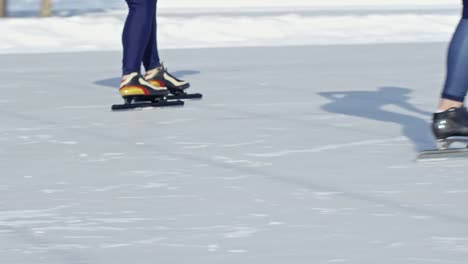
<point x="262" y="170"/>
<point x="302" y="151"/>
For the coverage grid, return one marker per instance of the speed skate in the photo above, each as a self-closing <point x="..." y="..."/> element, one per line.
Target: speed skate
<point x="451" y="148"/>
<point x="451" y="131"/>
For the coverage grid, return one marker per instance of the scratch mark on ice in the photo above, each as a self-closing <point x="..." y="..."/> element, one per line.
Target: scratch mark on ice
<point x="326" y="147"/>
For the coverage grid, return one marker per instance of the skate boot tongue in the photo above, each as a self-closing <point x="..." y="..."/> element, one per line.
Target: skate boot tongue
<point x="154" y="73"/>
<point x="129" y="79"/>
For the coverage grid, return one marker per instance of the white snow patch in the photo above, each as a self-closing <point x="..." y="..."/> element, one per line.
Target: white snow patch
<point x="457" y="191"/>
<point x="259" y="215"/>
<point x="275" y="223"/>
<point x="241" y="232"/>
<point x="102" y="31"/>
<point x="51" y="191"/>
<point x="421" y="217"/>
<point x="213" y="248"/>
<point x="204" y="4"/>
<point x="337" y="260"/>
<point x="396" y="245"/>
<point x="246" y="163"/>
<point x="115" y="245"/>
<point x="383" y="215"/>
<point x="237" y="251"/>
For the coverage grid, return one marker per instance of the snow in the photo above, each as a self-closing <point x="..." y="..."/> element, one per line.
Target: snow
<point x="207" y="24"/>
<point x="242" y="4"/>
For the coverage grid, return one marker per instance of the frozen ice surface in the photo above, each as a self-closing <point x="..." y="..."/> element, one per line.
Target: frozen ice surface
<point x="295" y="155"/>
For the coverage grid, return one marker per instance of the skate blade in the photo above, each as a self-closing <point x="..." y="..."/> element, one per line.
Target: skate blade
<point x="130" y="106"/>
<point x="184" y="96"/>
<point x="444" y="154"/>
<point x="445" y="151"/>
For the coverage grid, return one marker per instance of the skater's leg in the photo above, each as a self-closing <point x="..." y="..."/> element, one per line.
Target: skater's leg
<point x="136" y="34"/>
<point x="451" y="119"/>
<point x="456" y="84"/>
<point x="156" y="73"/>
<point x="135" y="38"/>
<point x="151" y="59"/>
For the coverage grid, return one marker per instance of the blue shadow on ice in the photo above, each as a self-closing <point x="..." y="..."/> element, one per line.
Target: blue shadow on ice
<point x="369" y="105"/>
<point x="115" y="82"/>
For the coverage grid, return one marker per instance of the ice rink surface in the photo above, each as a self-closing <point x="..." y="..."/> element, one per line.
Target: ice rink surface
<point x="295" y="155"/>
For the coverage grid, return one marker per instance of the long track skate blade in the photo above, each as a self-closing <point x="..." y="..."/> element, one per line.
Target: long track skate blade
<point x="445" y="154"/>
<point x="147" y="104"/>
<point x="184" y="96"/>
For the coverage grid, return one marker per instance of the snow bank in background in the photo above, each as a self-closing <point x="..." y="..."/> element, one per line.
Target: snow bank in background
<point x="103" y="31"/>
<point x="204" y="5"/>
<point x="229" y="4"/>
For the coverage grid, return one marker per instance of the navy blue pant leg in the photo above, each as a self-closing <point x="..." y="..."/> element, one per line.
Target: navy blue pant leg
<point x="456" y="84"/>
<point x="139" y="36"/>
<point x="151" y="58"/>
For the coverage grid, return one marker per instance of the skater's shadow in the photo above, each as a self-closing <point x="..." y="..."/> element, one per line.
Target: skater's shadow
<point x="370" y="104"/>
<point x="115" y="82"/>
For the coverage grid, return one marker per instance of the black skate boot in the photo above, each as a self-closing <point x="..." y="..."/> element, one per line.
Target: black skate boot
<point x="449" y="124"/>
<point x="137" y="93"/>
<point x="449" y="127"/>
<point x="162" y="78"/>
